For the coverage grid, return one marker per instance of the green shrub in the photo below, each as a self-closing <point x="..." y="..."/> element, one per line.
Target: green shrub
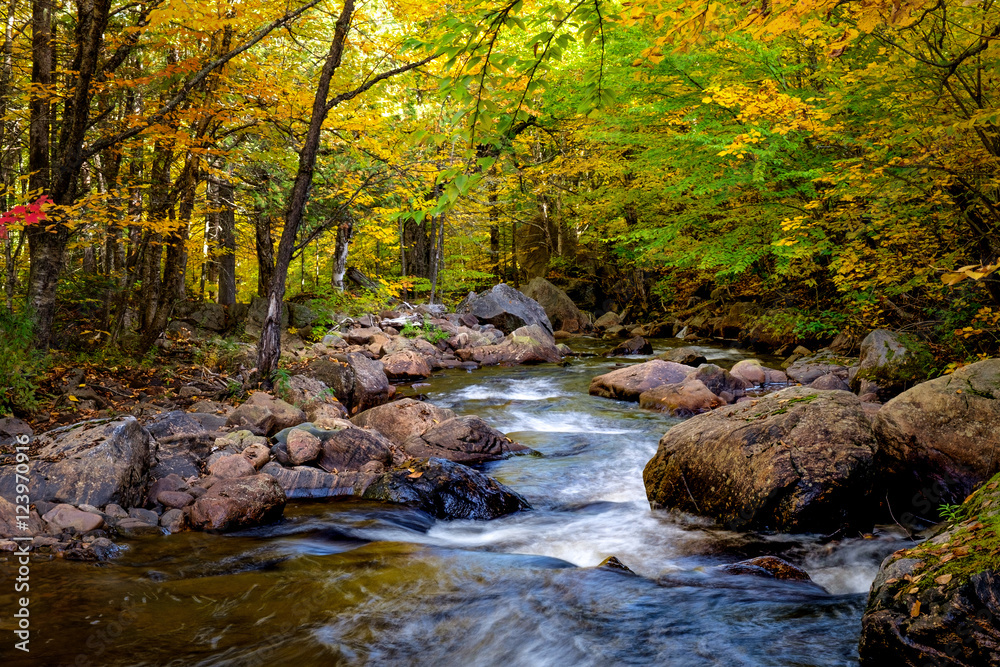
<point x="20" y="364"/>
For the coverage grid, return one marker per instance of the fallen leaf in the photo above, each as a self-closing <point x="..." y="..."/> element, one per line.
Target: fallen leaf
<point x="415" y="475"/>
<point x="73" y="398"/>
<point x="913" y="591"/>
<point x="943" y="579"/>
<point x="915" y="611"/>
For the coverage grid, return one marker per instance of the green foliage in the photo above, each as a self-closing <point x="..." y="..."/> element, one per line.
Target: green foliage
<point x="951" y="512"/>
<point x="429" y="331"/>
<point x="20" y="364"/>
<point x="282" y="383"/>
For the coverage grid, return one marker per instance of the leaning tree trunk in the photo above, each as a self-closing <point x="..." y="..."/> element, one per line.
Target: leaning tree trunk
<point x="269" y="349"/>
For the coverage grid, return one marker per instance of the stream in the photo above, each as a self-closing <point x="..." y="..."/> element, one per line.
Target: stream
<point x="351" y="582"/>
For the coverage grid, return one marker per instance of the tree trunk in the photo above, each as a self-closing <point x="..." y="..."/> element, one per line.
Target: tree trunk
<point x="269" y="349"/>
<point x="227" y="244"/>
<point x="265" y="249"/>
<point x="344" y="232"/>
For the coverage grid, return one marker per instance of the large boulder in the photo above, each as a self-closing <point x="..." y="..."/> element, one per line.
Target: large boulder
<point x="628" y="383"/>
<point x="560" y="309"/>
<point x="446" y="490"/>
<point x="526" y="345"/>
<point x="683" y="399"/>
<point x="263" y="414"/>
<point x="940" y="439"/>
<point x="244" y="502"/>
<point x="181" y="441"/>
<point x="94" y="463"/>
<point x="505" y="308"/>
<point x="608" y="319"/>
<point x="939" y="602"/>
<point x="893" y="361"/>
<point x="463" y="439"/>
<point x="352" y="449"/>
<point x="403" y="419"/>
<point x="798" y="460"/>
<point x="357" y="381"/>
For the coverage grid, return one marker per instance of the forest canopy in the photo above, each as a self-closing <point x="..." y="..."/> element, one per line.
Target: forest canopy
<point x="835" y="162"/>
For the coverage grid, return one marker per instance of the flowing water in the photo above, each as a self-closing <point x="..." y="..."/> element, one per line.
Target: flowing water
<point x="349" y="582"/>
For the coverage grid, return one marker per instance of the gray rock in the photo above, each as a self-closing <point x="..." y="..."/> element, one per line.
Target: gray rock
<point x="96" y="463"/>
<point x="505" y="308"/>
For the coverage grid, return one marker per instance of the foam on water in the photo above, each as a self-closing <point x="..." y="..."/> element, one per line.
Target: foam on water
<point x="533" y="389"/>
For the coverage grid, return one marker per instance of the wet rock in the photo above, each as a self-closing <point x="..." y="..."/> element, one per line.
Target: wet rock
<point x="682" y="399"/>
<point x="633" y="346"/>
<point x="171" y="482"/>
<point x="144" y="515"/>
<point x="264" y="414"/>
<point x="66" y="516"/>
<point x="96" y="463"/>
<point x="231" y="466"/>
<point x="527" y="345"/>
<point x="628" y="383"/>
<point x="560" y="309"/>
<point x="446" y="490"/>
<point x="406" y="365"/>
<point x="403" y="419"/>
<point x="689" y="356"/>
<point x="939" y="440"/>
<point x="351" y="448"/>
<point x="303" y="447"/>
<point x="173" y="521"/>
<point x="750" y="371"/>
<point x="132" y="527"/>
<point x="894" y="361"/>
<point x="608" y="319"/>
<point x="181" y="441"/>
<point x="807" y="370"/>
<point x="357" y="381"/>
<point x="938" y="603"/>
<point x="719" y="381"/>
<point x="830" y="382"/>
<point x="798" y="460"/>
<point x="467" y="440"/>
<point x="304" y="482"/>
<point x="505" y="308"/>
<point x="612" y="563"/>
<point x="770" y="567"/>
<point x="239" y="503"/>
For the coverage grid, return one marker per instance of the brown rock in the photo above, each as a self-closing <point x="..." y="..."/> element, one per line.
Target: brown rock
<point x="231" y="467"/>
<point x="466" y="440"/>
<point x="628" y="383"/>
<point x="257" y="454"/>
<point x="352" y="448"/>
<point x="239" y="503"/>
<point x="403" y="419"/>
<point x="770" y="567"/>
<point x="66" y="516"/>
<point x="174" y="499"/>
<point x="265" y="415"/>
<point x="406" y="365"/>
<point x="685" y="398"/>
<point x="798" y="460"/>
<point x="303" y="447"/>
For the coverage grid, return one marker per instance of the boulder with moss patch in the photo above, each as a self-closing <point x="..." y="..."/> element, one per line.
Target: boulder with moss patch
<point x="893" y="361"/>
<point x="939" y="602"/>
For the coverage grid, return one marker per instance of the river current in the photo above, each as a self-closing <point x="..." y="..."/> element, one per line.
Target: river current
<point x="350" y="582"/>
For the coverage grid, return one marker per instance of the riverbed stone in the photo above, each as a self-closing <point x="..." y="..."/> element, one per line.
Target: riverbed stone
<point x="940" y="439"/>
<point x="798" y="460"/>
<point x="304" y="482"/>
<point x="768" y="567"/>
<point x="351" y="448"/>
<point x="681" y="399"/>
<point x="629" y="383"/>
<point x="406" y="365"/>
<point x="468" y="440"/>
<point x="265" y="415"/>
<point x="938" y="603"/>
<point x="750" y="371"/>
<point x="302" y="446"/>
<point x="66" y="516"/>
<point x="689" y="356"/>
<point x="526" y="345"/>
<point x="446" y="490"/>
<point x="505" y="308"/>
<point x="174" y="499"/>
<point x="894" y="361"/>
<point x="357" y="381"/>
<point x="403" y="419"/>
<point x="231" y="466"/>
<point x="608" y="319"/>
<point x="96" y="463"/>
<point x="245" y="502"/>
<point x="559" y="308"/>
<point x="633" y="346"/>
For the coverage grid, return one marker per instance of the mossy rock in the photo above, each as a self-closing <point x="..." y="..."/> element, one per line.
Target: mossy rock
<point x="893" y="361"/>
<point x="939" y="602"/>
